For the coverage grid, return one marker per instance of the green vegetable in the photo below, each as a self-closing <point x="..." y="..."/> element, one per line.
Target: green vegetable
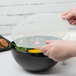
<point x="12" y="45"/>
<point x="21" y="49"/>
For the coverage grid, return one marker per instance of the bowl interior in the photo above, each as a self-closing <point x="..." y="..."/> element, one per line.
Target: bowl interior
<point x="34" y="41"/>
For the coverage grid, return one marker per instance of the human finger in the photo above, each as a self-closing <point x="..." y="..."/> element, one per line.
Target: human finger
<point x="68" y="16"/>
<point x="70" y="21"/>
<point x="43" y="49"/>
<point x="65" y="13"/>
<point x="74" y="22"/>
<point x="46" y="53"/>
<point x="49" y="41"/>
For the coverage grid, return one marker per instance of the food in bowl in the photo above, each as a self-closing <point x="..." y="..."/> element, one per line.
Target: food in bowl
<point x="23" y="49"/>
<point x="34" y="51"/>
<point x="31" y="44"/>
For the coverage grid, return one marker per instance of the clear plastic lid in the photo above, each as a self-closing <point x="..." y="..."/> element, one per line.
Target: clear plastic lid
<point x="34" y="30"/>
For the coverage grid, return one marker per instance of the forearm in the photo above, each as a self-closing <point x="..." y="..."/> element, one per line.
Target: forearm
<point x="73" y="48"/>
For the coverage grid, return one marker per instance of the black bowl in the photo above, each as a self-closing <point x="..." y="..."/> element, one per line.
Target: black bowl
<point x="33" y="62"/>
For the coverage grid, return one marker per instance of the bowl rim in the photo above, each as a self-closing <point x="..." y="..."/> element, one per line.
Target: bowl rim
<point x="26" y="52"/>
<point x="23" y="52"/>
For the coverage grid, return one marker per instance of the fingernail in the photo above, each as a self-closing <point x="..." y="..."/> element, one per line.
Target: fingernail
<point x="64" y="17"/>
<point x="46" y="53"/>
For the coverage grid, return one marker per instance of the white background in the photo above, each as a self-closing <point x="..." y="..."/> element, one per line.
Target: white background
<point x="13" y="11"/>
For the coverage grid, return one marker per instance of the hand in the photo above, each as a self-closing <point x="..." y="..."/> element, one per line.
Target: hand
<point x="58" y="50"/>
<point x="70" y="15"/>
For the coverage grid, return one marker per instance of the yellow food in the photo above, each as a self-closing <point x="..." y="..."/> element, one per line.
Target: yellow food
<point x="34" y="51"/>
